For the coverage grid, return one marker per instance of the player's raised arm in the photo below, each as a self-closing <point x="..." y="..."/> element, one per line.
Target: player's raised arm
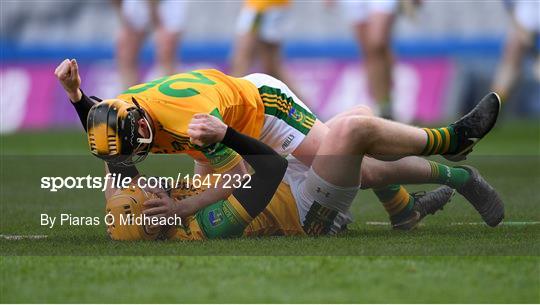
<point x="68" y="75"/>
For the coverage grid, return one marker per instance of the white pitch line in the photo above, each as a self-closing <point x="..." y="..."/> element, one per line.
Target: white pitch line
<point x="377" y="223"/>
<point x="20" y="237"/>
<point x="506" y="223"/>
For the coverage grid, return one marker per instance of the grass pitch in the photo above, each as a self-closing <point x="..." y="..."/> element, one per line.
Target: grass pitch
<point x="452" y="257"/>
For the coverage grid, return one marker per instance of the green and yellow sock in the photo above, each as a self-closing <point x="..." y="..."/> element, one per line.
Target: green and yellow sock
<point x="454" y="177"/>
<point x="396" y="201"/>
<point x="440" y="141"/>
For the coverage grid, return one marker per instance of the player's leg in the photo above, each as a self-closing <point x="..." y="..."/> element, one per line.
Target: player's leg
<point x="135" y="18"/>
<point x="271" y="60"/>
<point x="379" y="59"/>
<point x="334" y="175"/>
<point x="360" y="136"/>
<point x="385" y="178"/>
<point x="171" y="17"/>
<point x="325" y="194"/>
<point x="127" y="52"/>
<point x="247" y="29"/>
<point x="270" y="36"/>
<point x="519" y="40"/>
<point x="392" y="140"/>
<point x="289" y="129"/>
<point x="166" y="46"/>
<point x="398" y="202"/>
<point x="407" y="209"/>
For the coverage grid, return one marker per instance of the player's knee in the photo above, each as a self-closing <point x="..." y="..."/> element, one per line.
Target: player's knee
<point x="365" y="127"/>
<point x="355" y="129"/>
<point x="342" y="129"/>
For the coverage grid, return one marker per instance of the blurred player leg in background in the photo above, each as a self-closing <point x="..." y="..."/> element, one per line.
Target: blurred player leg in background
<point x="134" y="16"/>
<point x="169" y="26"/>
<point x="137" y="17"/>
<point x="260" y="30"/>
<point x="373" y="22"/>
<point x="524" y="30"/>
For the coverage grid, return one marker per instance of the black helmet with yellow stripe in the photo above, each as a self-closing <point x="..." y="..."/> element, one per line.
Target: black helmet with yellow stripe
<point x="113" y="132"/>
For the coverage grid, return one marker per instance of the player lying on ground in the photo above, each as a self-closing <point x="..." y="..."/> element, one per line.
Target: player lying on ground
<point x="303" y="202"/>
<point x="154" y="117"/>
<point x="239" y="213"/>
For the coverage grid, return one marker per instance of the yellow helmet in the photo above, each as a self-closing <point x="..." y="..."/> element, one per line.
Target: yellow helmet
<point x="113" y="132"/>
<point x="123" y="208"/>
<point x="128" y="203"/>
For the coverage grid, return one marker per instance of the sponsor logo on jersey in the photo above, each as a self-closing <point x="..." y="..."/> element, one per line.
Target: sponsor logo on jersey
<point x="296" y="115"/>
<point x="288" y="141"/>
<point x="215" y="217"/>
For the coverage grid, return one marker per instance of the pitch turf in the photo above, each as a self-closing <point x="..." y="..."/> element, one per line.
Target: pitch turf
<point x="450" y="258"/>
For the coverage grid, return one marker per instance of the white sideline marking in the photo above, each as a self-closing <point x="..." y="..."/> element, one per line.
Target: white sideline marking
<point x="506" y="223"/>
<point x="19" y="237"/>
<point x="377" y="223"/>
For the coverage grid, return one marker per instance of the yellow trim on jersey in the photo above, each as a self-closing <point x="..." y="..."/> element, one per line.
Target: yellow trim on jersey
<point x="230" y="164"/>
<point x="284" y="106"/>
<point x="240" y="209"/>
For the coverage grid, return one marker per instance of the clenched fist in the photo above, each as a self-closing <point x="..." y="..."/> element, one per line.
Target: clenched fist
<point x="68" y="75"/>
<point x="204" y="130"/>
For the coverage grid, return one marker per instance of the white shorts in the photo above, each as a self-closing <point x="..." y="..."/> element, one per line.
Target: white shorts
<point x="270" y="24"/>
<point x="313" y="195"/>
<point x="359" y="11"/>
<point x="527" y="14"/>
<point x="287" y="120"/>
<point x="171" y="14"/>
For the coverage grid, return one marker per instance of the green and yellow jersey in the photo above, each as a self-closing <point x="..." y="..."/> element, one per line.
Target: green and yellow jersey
<point x="171" y="101"/>
<point x="228" y="218"/>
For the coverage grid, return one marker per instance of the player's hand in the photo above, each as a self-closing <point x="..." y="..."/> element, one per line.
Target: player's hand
<point x="68" y="75"/>
<point x="162" y="207"/>
<point x="205" y="129"/>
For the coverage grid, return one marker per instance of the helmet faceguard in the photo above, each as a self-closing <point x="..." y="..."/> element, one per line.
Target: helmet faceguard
<point x="128" y="204"/>
<point x="113" y="132"/>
